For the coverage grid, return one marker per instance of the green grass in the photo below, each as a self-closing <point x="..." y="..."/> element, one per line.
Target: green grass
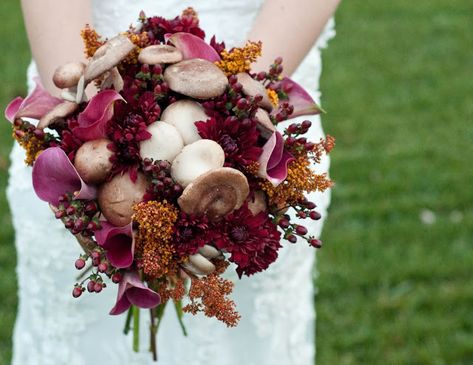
<point x="13" y="63"/>
<point x="397" y="85"/>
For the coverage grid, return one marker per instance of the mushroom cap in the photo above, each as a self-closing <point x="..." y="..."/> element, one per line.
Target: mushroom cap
<point x="215" y="194"/>
<point x="160" y="53"/>
<point x="209" y="252"/>
<point x="60" y="111"/>
<point x="257" y="204"/>
<point x="92" y="161"/>
<point x="113" y="78"/>
<point x="252" y="87"/>
<point x="117" y="197"/>
<point x="68" y="75"/>
<point x="197" y="78"/>
<point x="195" y="159"/>
<point x="108" y="56"/>
<point x="165" y="142"/>
<point x="199" y="265"/>
<point x="182" y="114"/>
<point x="265" y="126"/>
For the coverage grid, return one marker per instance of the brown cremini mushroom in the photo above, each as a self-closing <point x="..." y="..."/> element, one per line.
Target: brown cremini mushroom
<point x="197" y="78"/>
<point x="68" y="75"/>
<point x="114" y="79"/>
<point x="108" y="56"/>
<point x="215" y="194"/>
<point x="58" y="113"/>
<point x="161" y="53"/>
<point x="117" y="197"/>
<point x="252" y="87"/>
<point x="92" y="161"/>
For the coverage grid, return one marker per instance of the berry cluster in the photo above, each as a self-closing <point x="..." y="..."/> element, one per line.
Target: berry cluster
<point x="162" y="186"/>
<point x="274" y="73"/>
<point x="294" y="142"/>
<point x="79" y="216"/>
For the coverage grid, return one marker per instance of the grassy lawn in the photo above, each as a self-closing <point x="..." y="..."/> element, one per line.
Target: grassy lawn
<point x="395" y="283"/>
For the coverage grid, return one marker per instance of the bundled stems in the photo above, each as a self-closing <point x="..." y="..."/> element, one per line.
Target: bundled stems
<point x="136" y="328"/>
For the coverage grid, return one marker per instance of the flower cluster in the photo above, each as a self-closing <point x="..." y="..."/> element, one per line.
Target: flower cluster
<point x="175" y="170"/>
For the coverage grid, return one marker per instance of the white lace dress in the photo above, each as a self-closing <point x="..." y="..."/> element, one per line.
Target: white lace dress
<point x="277" y="325"/>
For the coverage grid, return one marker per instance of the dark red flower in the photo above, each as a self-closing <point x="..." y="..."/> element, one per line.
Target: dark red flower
<point x="252" y="241"/>
<point x="237" y="138"/>
<point x="192" y="233"/>
<point x="157" y="27"/>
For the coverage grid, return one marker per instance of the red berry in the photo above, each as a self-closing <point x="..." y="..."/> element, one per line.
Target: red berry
<point x="95" y="254"/>
<point x="315" y="215"/>
<point x="283" y="223"/>
<point x="291" y="238"/>
<point x="77" y="292"/>
<point x="98" y="287"/>
<point x="117" y="277"/>
<point x="91" y="286"/>
<point x="103" y="267"/>
<point x="80" y="263"/>
<point x="301" y="230"/>
<point x="306" y="124"/>
<point x="315" y="242"/>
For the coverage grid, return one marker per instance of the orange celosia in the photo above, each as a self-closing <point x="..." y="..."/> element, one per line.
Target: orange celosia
<point x="92" y="40"/>
<point x="300" y="180"/>
<point x="171" y="288"/>
<point x="239" y="59"/>
<point x="209" y="295"/>
<point x="140" y="40"/>
<point x="273" y="97"/>
<point x="155" y="228"/>
<point x="32" y="145"/>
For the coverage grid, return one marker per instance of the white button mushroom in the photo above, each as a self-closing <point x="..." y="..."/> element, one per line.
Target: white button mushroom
<point x="165" y="142"/>
<point x="160" y="53"/>
<point x="68" y="75"/>
<point x="183" y="114"/>
<point x="195" y="159"/>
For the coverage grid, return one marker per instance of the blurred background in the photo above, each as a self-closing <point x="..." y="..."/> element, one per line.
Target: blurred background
<point x="395" y="277"/>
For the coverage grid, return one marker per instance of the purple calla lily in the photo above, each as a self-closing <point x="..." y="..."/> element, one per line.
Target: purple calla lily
<point x="118" y="243"/>
<point x="132" y="291"/>
<point x="35" y="105"/>
<point x="192" y="46"/>
<point x="54" y="175"/>
<point x="93" y="120"/>
<point x="274" y="160"/>
<point x="299" y="98"/>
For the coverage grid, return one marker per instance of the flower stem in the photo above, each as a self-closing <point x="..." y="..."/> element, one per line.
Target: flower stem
<point x="180" y="315"/>
<point x="136" y="328"/>
<point x="153" y="337"/>
<point x="128" y="321"/>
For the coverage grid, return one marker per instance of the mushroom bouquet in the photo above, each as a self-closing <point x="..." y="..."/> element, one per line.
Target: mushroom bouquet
<point x="174" y="169"/>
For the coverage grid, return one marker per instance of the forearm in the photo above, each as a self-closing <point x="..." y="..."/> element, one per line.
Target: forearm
<point x="289" y="29"/>
<point x="53" y="28"/>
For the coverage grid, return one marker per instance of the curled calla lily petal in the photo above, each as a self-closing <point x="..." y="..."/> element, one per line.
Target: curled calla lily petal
<point x="93" y="120"/>
<point x="299" y="98"/>
<point x="274" y="160"/>
<point x="131" y="290"/>
<point x="192" y="46"/>
<point x="118" y="243"/>
<point x="54" y="175"/>
<point x="35" y="105"/>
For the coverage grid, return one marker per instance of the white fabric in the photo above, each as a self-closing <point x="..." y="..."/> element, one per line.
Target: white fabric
<point x="278" y="316"/>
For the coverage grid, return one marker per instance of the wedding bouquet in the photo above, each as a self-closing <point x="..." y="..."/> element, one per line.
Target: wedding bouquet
<point x="173" y="170"/>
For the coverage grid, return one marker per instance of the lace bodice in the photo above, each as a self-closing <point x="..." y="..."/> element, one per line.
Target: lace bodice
<point x="276" y="306"/>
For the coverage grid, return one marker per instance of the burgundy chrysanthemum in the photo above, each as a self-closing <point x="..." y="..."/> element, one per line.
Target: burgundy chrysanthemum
<point x="126" y="130"/>
<point x="158" y="26"/>
<point x="252" y="241"/>
<point x="237" y="138"/>
<point x="192" y="233"/>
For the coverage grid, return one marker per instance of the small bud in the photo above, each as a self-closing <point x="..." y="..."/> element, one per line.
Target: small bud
<point x="315" y="215"/>
<point x="80" y="263"/>
<point x="315" y="243"/>
<point x="291" y="238"/>
<point x="301" y="230"/>
<point x="77" y="292"/>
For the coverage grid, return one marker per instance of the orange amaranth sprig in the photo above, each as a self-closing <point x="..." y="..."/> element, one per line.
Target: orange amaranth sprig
<point x="209" y="295"/>
<point x="273" y="97"/>
<point x="300" y="180"/>
<point x="92" y="40"/>
<point x="140" y="40"/>
<point x="155" y="228"/>
<point x="32" y="139"/>
<point x="239" y="59"/>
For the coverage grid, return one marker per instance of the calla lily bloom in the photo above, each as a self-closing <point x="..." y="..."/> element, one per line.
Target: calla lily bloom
<point x="93" y="120"/>
<point x="35" y="105"/>
<point x="299" y="98"/>
<point x="118" y="243"/>
<point x="132" y="291"/>
<point x="192" y="46"/>
<point x="54" y="175"/>
<point x="274" y="160"/>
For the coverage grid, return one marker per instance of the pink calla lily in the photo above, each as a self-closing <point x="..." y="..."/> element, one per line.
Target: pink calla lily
<point x="274" y="160"/>
<point x="299" y="98"/>
<point x="54" y="175"/>
<point x="118" y="243"/>
<point x="192" y="46"/>
<point x="132" y="291"/>
<point x="35" y="105"/>
<point x="93" y="120"/>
